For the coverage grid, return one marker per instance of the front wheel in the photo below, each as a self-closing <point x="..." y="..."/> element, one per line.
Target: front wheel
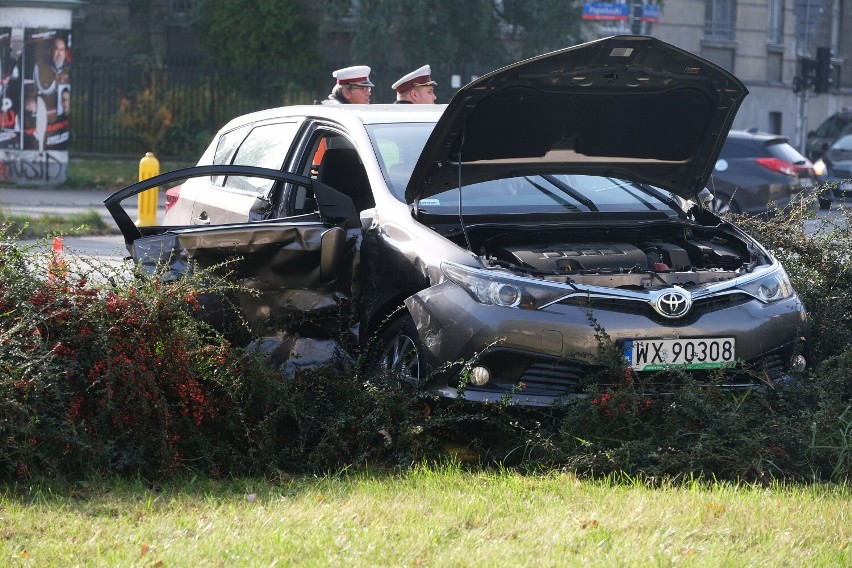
<point x="401" y="353"/>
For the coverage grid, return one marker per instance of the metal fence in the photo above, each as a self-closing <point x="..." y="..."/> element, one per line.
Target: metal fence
<point x="119" y="108"/>
<point x="125" y="109"/>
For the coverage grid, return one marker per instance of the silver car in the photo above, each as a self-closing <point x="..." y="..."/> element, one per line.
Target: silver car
<point x="485" y="244"/>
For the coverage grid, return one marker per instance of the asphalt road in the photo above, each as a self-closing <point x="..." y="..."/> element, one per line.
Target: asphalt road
<point x="40" y="201"/>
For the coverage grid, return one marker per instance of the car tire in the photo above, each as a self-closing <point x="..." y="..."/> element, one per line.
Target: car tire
<point x="824" y="204"/>
<point x="401" y="352"/>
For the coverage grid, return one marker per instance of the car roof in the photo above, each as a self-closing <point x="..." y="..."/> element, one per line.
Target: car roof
<point x="365" y="114"/>
<point x="757" y="136"/>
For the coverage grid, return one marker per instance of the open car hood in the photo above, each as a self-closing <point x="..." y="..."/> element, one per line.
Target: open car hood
<point x="631" y="107"/>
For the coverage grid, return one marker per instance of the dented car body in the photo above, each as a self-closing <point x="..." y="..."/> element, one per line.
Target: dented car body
<point x="547" y="201"/>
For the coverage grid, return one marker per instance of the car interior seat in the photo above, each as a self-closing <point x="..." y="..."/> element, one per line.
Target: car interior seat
<point x="342" y="169"/>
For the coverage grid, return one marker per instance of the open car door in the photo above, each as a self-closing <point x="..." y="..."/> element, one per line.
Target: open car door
<point x="304" y="262"/>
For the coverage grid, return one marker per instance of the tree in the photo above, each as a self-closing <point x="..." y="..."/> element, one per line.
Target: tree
<point x="540" y="26"/>
<point x="255" y="34"/>
<point x="482" y="34"/>
<point x="263" y="51"/>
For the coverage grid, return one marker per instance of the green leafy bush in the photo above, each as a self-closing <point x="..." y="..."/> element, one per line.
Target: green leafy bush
<point x="114" y="371"/>
<point x="166" y="118"/>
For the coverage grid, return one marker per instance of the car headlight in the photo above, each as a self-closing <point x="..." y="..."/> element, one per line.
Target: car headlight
<point x="820" y="168"/>
<point x="501" y="289"/>
<point x="769" y="288"/>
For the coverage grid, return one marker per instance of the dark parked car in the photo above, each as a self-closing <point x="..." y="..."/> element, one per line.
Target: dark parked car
<point x="827" y="132"/>
<point x="835" y="169"/>
<point x="549" y="200"/>
<point x="756" y="169"/>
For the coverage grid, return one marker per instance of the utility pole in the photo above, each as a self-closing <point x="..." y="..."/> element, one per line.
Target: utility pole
<point x="808" y="13"/>
<point x="636" y="18"/>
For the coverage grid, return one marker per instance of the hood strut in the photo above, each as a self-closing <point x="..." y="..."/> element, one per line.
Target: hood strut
<point x="461" y="216"/>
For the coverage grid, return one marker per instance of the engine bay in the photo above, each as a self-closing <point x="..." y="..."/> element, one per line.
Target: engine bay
<point x="634" y="259"/>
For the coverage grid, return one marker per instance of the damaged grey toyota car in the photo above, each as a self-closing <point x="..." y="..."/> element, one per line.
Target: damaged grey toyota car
<point x="548" y="202"/>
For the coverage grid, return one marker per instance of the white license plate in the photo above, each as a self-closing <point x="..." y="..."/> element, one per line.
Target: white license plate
<point x="846" y="186"/>
<point x="695" y="353"/>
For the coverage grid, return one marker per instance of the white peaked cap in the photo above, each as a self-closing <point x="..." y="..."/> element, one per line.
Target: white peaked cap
<point x="418" y="78"/>
<point x="356" y="75"/>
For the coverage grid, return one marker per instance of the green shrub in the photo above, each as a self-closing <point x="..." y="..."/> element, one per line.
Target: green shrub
<point x="815" y="253"/>
<point x="114" y="371"/>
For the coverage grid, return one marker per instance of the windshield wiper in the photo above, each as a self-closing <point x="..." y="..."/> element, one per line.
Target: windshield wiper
<point x="569" y="190"/>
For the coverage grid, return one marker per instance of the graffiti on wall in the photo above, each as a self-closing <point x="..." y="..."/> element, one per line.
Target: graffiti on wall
<point x="35" y="103"/>
<point x="33" y="167"/>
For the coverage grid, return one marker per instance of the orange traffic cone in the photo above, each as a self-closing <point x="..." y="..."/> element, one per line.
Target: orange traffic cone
<point x="58" y="267"/>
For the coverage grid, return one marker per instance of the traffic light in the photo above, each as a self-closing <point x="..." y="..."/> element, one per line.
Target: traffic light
<point x="823" y="70"/>
<point x="807" y="75"/>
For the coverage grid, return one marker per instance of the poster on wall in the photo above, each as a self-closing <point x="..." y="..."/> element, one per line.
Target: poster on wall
<point x="47" y="89"/>
<point x="10" y="89"/>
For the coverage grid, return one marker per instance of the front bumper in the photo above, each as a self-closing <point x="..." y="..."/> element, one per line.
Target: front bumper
<point x="539" y="357"/>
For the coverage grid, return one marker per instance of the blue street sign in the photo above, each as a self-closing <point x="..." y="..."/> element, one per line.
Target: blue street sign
<point x="606" y="11"/>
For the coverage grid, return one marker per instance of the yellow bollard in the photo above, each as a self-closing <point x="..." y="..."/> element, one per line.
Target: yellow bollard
<point x="149" y="166"/>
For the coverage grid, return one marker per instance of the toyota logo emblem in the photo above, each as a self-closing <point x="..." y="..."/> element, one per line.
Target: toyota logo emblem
<point x="673" y="303"/>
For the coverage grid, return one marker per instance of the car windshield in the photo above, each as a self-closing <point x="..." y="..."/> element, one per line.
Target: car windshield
<point x="843" y="145"/>
<point x="550" y="194"/>
<point x="398" y="146"/>
<point x="835" y="126"/>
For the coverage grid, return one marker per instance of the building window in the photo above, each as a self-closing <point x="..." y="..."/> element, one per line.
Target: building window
<point x="720" y="55"/>
<point x="719" y="19"/>
<point x="774" y="122"/>
<point x="776" y="22"/>
<point x="774" y="66"/>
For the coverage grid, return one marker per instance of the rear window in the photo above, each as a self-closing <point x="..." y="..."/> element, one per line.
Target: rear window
<point x="739" y="148"/>
<point x="228" y="144"/>
<point x="265" y="147"/>
<point x="783" y="151"/>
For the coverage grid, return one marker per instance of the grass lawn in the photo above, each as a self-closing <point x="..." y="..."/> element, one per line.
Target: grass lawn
<point x="99" y="173"/>
<point x="27" y="227"/>
<point x="425" y="517"/>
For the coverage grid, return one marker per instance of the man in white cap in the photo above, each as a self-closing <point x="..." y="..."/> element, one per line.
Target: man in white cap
<point x="416" y="88"/>
<point x="353" y="86"/>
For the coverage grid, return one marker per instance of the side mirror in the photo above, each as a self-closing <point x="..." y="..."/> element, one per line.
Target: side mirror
<point x="331" y="253"/>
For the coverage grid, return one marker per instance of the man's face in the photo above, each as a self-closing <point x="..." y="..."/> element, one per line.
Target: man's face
<point x="424" y="95"/>
<point x="357" y="95"/>
<point x="57" y="52"/>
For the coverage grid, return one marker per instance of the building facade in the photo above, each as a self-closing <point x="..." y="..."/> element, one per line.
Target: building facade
<point x="762" y="43"/>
